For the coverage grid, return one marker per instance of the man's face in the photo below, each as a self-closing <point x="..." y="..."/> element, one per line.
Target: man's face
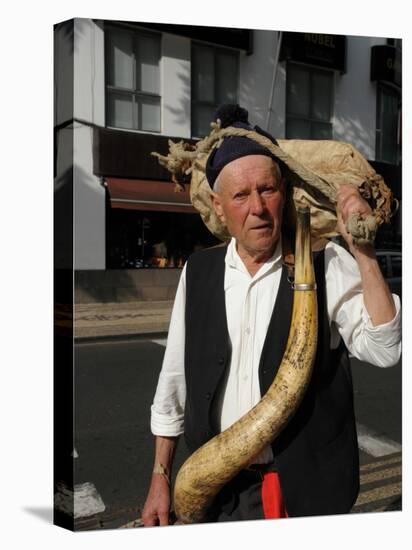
<point x="250" y="201"/>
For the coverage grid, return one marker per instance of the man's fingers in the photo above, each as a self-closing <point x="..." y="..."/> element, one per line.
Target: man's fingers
<point x="157" y="505"/>
<point x="149" y="521"/>
<point x="160" y="518"/>
<point x="350" y="202"/>
<point x="164" y="518"/>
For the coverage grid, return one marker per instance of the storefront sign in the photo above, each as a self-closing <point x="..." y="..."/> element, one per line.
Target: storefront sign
<point x="124" y="154"/>
<point x="322" y="50"/>
<point x="386" y="64"/>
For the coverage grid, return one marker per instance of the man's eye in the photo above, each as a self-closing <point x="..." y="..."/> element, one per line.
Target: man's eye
<point x="240" y="196"/>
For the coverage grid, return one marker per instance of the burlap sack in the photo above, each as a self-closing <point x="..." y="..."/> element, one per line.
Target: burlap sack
<point x="314" y="170"/>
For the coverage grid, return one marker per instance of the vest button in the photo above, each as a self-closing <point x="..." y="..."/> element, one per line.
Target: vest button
<point x="221" y="360"/>
<point x="208" y="395"/>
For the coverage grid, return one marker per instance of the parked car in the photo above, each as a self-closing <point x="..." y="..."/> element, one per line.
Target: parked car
<point x="390" y="262"/>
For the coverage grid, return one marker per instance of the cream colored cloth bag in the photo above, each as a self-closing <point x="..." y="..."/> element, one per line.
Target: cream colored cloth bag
<point x="314" y="170"/>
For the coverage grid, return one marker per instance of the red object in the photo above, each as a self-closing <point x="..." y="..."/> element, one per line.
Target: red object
<point x="156" y="196"/>
<point x="272" y="498"/>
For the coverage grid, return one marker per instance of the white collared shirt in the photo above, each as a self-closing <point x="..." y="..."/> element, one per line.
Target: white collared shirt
<point x="249" y="305"/>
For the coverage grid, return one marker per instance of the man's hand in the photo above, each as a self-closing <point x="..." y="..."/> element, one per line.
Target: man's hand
<point x="157" y="506"/>
<point x="349" y="201"/>
<point x="377" y="297"/>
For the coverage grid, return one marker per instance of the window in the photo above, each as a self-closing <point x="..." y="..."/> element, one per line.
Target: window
<point x="215" y="75"/>
<point x="146" y="239"/>
<point x="309" y="100"/>
<point x="388" y="124"/>
<point x="132" y="79"/>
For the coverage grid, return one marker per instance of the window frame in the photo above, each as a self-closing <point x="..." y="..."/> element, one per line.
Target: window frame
<point x="383" y="88"/>
<point x="134" y="93"/>
<point x="311" y="69"/>
<point x="203" y="103"/>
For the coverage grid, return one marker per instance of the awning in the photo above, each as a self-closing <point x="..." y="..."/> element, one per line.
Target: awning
<point x="159" y="196"/>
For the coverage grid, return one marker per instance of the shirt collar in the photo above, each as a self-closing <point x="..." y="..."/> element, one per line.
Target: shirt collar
<point x="234" y="261"/>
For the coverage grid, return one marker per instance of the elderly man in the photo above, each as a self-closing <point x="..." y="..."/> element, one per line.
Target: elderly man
<point x="227" y="335"/>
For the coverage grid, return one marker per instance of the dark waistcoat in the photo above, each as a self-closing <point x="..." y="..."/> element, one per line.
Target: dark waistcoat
<point x="316" y="455"/>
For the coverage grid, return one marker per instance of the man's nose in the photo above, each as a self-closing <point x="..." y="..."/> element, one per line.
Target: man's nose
<point x="256" y="204"/>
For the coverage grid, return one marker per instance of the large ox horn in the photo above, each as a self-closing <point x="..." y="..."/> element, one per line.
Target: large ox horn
<point x="214" y="464"/>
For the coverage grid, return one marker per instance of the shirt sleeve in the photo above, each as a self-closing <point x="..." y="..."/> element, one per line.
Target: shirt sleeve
<point x="379" y="345"/>
<point x="167" y="410"/>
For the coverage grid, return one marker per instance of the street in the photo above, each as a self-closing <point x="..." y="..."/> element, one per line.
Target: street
<point x="114" y="388"/>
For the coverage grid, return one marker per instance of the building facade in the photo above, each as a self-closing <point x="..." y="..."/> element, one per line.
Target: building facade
<point x="123" y="89"/>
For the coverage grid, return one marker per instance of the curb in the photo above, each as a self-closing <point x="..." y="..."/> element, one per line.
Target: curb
<point x="121" y="320"/>
<point x="79" y="340"/>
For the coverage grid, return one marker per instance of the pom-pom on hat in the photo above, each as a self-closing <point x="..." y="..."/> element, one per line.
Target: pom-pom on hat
<point x="234" y="147"/>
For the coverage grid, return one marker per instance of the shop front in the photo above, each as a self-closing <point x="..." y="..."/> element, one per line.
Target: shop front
<point x="150" y="229"/>
<point x="149" y="225"/>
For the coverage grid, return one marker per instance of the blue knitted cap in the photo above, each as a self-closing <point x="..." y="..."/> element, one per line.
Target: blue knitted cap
<point x="234" y="147"/>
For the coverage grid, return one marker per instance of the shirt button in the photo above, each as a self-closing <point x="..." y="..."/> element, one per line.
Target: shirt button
<point x="248" y="330"/>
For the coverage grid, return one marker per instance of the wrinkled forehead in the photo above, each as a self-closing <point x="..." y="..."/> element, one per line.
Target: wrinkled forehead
<point x="250" y="169"/>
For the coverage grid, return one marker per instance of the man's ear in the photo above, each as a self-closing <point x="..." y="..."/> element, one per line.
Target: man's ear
<point x="217" y="205"/>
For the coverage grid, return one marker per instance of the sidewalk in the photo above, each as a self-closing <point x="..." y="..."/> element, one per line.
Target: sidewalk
<point x="121" y="319"/>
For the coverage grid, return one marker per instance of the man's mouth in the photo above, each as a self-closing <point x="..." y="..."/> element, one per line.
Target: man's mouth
<point x="262" y="226"/>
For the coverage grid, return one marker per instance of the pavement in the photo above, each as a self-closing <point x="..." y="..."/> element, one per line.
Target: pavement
<point x="381" y="488"/>
<point x="111" y="320"/>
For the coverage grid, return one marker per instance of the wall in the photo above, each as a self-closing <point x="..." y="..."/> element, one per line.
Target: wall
<point x="89" y="204"/>
<point x="125" y="285"/>
<point x="256" y="74"/>
<point x="354" y="117"/>
<point x="89" y="195"/>
<point x="175" y="86"/>
<point x="89" y="106"/>
<point x="63" y="37"/>
<point x="355" y="97"/>
<point x="63" y="145"/>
